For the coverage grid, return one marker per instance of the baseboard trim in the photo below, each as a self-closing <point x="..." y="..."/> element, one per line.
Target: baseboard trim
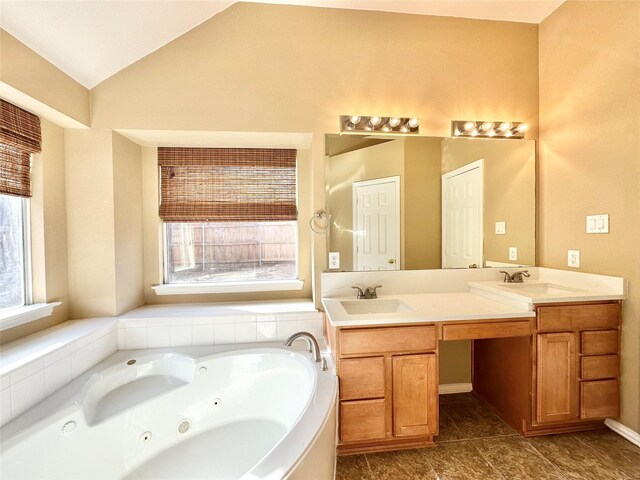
<point x="447" y="388"/>
<point x="623" y="431"/>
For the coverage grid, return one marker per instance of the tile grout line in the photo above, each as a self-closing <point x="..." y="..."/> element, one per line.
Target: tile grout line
<point x="541" y="455"/>
<point x="487" y="460"/>
<point x="599" y="455"/>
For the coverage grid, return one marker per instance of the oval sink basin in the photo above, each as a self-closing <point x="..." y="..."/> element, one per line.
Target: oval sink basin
<point x="545" y="288"/>
<point x="362" y="307"/>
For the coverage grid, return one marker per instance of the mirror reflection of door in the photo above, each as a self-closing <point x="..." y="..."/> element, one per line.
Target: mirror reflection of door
<point x="462" y="204"/>
<point x="376" y="224"/>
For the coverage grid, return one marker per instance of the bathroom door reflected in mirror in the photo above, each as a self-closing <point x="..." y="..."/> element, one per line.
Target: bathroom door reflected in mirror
<point x="504" y="229"/>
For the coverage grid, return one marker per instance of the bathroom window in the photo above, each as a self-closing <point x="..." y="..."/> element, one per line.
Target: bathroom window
<point x="20" y="137"/>
<point x="14" y="253"/>
<point x="229" y="215"/>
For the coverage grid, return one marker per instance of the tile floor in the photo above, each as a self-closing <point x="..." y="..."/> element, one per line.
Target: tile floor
<point x="474" y="444"/>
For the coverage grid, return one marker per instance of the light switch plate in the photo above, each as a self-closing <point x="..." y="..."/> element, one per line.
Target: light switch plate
<point x="334" y="260"/>
<point x="513" y="253"/>
<point x="573" y="258"/>
<point x="598" y="223"/>
<point x="501" y="228"/>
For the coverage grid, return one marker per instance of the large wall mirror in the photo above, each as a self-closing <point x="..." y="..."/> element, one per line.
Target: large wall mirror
<point x="429" y="202"/>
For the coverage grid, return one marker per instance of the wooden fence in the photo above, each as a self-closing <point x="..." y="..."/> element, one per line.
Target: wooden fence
<point x="207" y="245"/>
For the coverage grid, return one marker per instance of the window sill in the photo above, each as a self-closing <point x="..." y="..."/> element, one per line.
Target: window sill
<point x="14" y="317"/>
<point x="229" y="287"/>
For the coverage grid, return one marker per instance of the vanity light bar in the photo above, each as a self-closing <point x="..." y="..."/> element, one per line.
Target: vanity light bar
<point x="362" y="124"/>
<point x="487" y="129"/>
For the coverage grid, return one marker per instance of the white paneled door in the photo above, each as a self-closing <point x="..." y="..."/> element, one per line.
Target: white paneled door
<point x="376" y="224"/>
<point x="462" y="216"/>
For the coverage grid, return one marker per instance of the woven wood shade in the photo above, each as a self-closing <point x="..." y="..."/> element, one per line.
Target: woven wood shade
<point x="19" y="137"/>
<point x="227" y="184"/>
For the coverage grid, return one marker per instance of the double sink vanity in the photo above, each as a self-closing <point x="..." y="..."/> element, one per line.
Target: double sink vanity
<point x="545" y="352"/>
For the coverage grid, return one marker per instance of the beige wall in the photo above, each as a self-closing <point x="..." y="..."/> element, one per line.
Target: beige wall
<point x="90" y="222"/>
<point x="48" y="232"/>
<point x="590" y="155"/>
<point x="127" y="207"/>
<point x="509" y="192"/>
<point x="194" y="83"/>
<point x="422" y="192"/>
<point x="32" y="75"/>
<point x="104" y="223"/>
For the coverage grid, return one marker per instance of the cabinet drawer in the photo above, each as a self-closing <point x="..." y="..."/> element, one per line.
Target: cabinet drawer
<point x="479" y="330"/>
<point x="599" y="399"/>
<point x="577" y="317"/>
<point x="362" y="420"/>
<point x="599" y="367"/>
<point x="599" y="342"/>
<point x="361" y="378"/>
<point x="364" y="341"/>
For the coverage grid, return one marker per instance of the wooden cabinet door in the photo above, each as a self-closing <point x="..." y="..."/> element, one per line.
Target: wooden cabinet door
<point x="556" y="381"/>
<point x="362" y="420"/>
<point x="415" y="395"/>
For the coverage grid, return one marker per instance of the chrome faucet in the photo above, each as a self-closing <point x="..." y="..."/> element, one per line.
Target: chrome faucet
<point x="312" y="344"/>
<point x="517" y="277"/>
<point x="368" y="293"/>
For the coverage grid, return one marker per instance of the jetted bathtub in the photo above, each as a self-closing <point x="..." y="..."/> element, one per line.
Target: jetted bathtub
<point x="258" y="413"/>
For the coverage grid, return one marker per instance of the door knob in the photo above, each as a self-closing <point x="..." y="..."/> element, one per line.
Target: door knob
<point x="391" y="260"/>
<point x="473" y="265"/>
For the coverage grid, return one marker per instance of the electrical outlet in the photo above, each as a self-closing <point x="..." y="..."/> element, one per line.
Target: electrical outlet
<point x="334" y="260"/>
<point x="501" y="228"/>
<point x="513" y="253"/>
<point x="573" y="258"/>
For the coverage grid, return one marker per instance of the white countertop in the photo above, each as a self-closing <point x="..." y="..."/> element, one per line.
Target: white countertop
<point x="427" y="307"/>
<point x="537" y="292"/>
<point x="484" y="300"/>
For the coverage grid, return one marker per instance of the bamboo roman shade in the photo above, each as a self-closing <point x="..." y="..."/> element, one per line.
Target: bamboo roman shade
<point x="19" y="138"/>
<point x="227" y="184"/>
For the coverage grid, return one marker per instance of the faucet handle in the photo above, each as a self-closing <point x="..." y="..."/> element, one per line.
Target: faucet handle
<point x="507" y="278"/>
<point x="518" y="276"/>
<point x="373" y="290"/>
<point x="360" y="292"/>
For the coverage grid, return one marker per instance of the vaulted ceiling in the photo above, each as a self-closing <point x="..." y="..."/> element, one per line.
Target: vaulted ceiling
<point x="92" y="40"/>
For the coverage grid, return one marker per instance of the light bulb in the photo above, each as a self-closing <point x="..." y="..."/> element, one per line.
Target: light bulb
<point x="413" y="122"/>
<point x="349" y="126"/>
<point x="523" y="127"/>
<point x="491" y="133"/>
<point x="485" y="127"/>
<point x="368" y="127"/>
<point x="474" y="133"/>
<point x="404" y="128"/>
<point x="505" y="126"/>
<point x="457" y="132"/>
<point x="386" y="128"/>
<point x="375" y="120"/>
<point x="355" y="119"/>
<point x="468" y="126"/>
<point x="508" y="133"/>
<point x="394" y="122"/>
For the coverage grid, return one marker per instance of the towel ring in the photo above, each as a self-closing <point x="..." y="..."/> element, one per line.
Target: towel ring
<point x="319" y="223"/>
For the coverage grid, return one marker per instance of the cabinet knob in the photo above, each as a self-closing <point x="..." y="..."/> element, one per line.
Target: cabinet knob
<point x="391" y="260"/>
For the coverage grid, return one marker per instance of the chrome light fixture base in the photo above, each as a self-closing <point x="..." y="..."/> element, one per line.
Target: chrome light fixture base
<point x="488" y="129"/>
<point x="374" y="124"/>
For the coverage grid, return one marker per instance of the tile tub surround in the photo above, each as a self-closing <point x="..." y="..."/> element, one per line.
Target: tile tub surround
<point x="33" y="368"/>
<point x="216" y="324"/>
<point x="475" y="444"/>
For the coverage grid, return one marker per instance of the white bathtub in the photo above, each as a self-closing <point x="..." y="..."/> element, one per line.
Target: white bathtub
<point x="259" y="413"/>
